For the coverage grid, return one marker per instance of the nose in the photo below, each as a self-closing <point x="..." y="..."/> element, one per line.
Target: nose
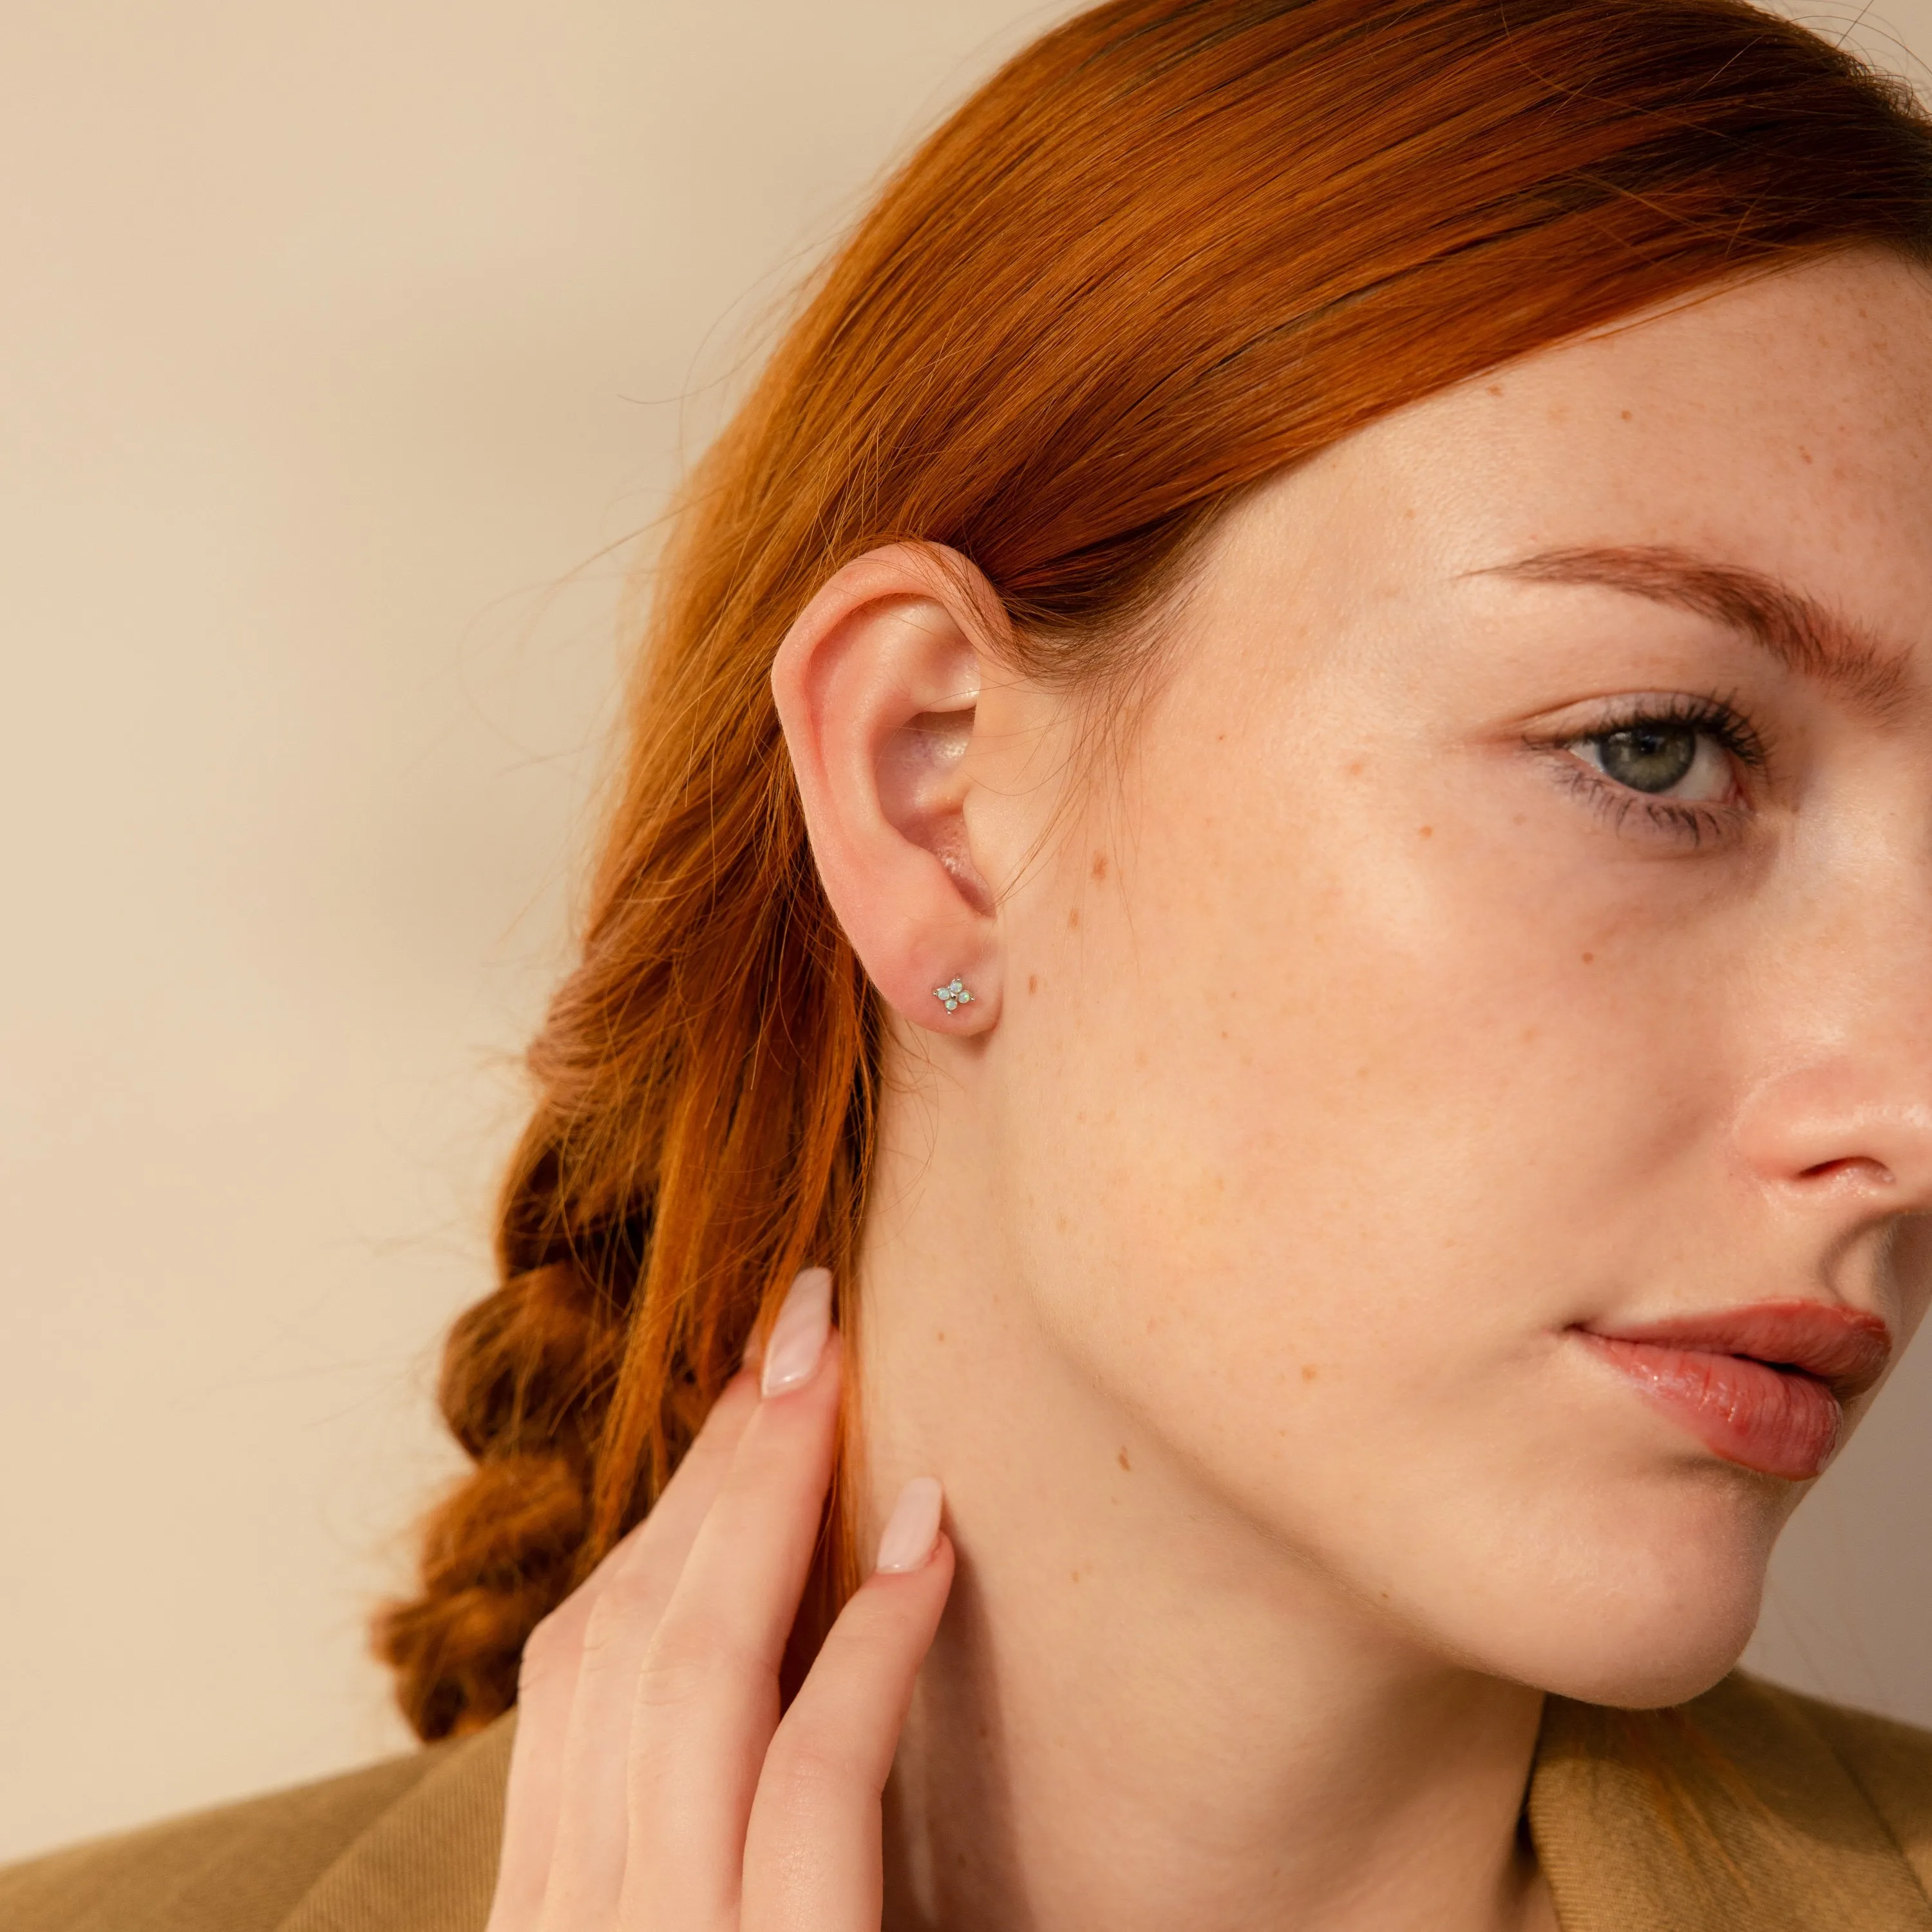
<point x="1843" y="1141"/>
<point x="1856" y="1123"/>
<point x="1845" y="1113"/>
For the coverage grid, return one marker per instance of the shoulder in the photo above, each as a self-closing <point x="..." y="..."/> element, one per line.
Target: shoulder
<point x="364" y="1849"/>
<point x="243" y="1865"/>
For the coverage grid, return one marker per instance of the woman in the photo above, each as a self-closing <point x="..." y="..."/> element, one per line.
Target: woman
<point x="1271" y="914"/>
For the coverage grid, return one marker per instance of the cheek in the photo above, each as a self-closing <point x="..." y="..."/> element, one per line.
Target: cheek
<point x="1353" y="1111"/>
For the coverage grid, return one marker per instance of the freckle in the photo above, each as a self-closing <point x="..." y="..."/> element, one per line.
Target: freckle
<point x="1408" y="515"/>
<point x="1529" y="1034"/>
<point x="1424" y="831"/>
<point x="1308" y="1371"/>
<point x="1805" y="455"/>
<point x="1495" y="389"/>
<point x="941" y="1333"/>
<point x="1073" y="919"/>
<point x="1589" y="958"/>
<point x="1100" y="865"/>
<point x="1154" y="1322"/>
<point x="1355" y="770"/>
<point x="1124" y="1463"/>
<point x="1074" y="1575"/>
<point x="1033" y="982"/>
<point x="1625" y="414"/>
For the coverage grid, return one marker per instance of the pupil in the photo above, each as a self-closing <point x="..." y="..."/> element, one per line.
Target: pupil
<point x="1646" y="758"/>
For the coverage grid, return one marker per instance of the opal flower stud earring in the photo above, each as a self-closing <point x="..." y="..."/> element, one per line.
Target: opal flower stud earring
<point x="954" y="996"/>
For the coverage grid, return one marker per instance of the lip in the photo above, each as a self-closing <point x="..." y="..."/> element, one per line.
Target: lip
<point x="1765" y="1386"/>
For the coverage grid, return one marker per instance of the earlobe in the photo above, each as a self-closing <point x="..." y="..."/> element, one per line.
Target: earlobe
<point x="878" y="686"/>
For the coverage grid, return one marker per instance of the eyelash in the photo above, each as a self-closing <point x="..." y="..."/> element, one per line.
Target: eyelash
<point x="1709" y="716"/>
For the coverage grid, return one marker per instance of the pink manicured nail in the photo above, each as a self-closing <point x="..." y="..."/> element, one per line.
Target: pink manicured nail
<point x="798" y="1336"/>
<point x="913" y="1527"/>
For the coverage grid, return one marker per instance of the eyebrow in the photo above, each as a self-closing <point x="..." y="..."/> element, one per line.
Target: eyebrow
<point x="1799" y="632"/>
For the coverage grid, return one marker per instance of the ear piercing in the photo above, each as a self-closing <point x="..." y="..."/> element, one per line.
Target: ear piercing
<point x="954" y="996"/>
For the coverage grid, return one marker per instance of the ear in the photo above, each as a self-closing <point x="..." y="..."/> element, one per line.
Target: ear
<point x="879" y="685"/>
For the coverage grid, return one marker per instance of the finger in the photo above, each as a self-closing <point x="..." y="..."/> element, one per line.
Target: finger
<point x="553" y="1763"/>
<point x="708" y="1695"/>
<point x="546" y="1686"/>
<point x="587" y="1865"/>
<point x="812" y="1852"/>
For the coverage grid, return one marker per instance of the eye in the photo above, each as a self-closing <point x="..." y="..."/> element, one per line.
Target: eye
<point x="1658" y="756"/>
<point x="1675" y="763"/>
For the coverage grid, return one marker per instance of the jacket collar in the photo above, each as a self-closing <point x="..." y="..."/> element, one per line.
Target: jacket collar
<point x="1728" y="1812"/>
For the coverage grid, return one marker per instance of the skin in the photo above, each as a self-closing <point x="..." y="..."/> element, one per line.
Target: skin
<point x="1343" y="1037"/>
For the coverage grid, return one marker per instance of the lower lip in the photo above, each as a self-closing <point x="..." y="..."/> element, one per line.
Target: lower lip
<point x="1780" y="1422"/>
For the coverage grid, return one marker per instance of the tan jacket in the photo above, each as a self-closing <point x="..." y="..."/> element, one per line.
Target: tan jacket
<point x="1749" y="1809"/>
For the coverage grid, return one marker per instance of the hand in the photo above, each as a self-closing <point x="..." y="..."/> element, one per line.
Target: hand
<point x="654" y="1786"/>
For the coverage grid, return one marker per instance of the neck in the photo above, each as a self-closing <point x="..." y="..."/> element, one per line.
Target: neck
<point x="1142" y="1710"/>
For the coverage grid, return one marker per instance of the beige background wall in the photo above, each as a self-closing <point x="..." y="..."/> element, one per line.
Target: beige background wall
<point x="337" y="342"/>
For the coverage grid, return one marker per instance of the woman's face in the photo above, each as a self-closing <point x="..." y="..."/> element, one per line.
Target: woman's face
<point x="1389" y="1034"/>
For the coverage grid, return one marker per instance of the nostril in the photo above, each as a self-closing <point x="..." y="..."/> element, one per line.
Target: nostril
<point x="1874" y="1170"/>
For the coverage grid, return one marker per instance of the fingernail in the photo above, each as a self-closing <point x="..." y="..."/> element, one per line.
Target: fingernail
<point x="798" y="1336"/>
<point x="913" y="1527"/>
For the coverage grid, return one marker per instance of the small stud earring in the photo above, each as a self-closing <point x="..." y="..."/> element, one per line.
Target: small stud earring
<point x="955" y="996"/>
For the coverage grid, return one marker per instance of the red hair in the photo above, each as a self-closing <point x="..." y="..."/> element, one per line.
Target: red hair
<point x="1172" y="248"/>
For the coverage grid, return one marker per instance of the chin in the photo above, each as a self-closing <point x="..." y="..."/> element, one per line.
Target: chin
<point x="1647" y="1664"/>
<point x="1657" y="1605"/>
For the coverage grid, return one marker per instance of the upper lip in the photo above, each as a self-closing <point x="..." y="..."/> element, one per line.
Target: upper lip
<point x="1846" y="1347"/>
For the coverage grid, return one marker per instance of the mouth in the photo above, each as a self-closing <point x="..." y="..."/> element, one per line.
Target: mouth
<point x="1765" y="1387"/>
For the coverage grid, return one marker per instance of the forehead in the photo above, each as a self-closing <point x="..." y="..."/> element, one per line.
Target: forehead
<point x="1782" y="424"/>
